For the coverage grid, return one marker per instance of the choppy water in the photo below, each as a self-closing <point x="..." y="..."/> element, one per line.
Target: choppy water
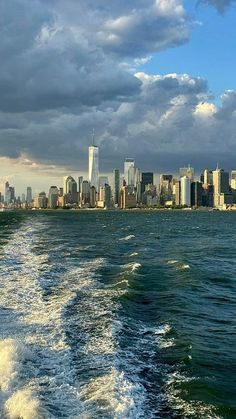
<point x="117" y="315"/>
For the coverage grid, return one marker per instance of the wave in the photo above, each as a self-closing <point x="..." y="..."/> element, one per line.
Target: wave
<point x="16" y="399"/>
<point x="133" y="254"/>
<point x="126" y="238"/>
<point x="115" y="395"/>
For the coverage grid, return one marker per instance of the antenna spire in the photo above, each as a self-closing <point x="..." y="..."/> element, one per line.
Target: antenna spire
<point x="93" y="137"/>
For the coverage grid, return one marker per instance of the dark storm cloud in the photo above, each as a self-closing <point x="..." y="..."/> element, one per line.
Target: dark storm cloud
<point x="67" y="69"/>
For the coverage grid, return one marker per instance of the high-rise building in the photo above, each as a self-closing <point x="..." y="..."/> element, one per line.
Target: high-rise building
<point x="177" y="192"/>
<point x="146" y="179"/>
<point x="29" y="195"/>
<point x="221" y="185"/>
<point x="93" y="166"/>
<point x="85" y="196"/>
<point x="127" y="164"/>
<point x="166" y="188"/>
<point x="70" y="190"/>
<point x="196" y="194"/>
<point x="185" y="191"/>
<point x="116" y="186"/>
<point x="187" y="171"/>
<point x="41" y="201"/>
<point x="53" y="197"/>
<point x="127" y="197"/>
<point x="208" y="177"/>
<point x="7" y="193"/>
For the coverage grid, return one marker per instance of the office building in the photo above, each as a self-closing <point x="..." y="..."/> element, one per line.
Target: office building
<point x="146" y="179"/>
<point x="185" y="191"/>
<point x="196" y="194"/>
<point x="70" y="190"/>
<point x="127" y="197"/>
<point x="94" y="166"/>
<point x="53" y="197"/>
<point x="221" y="185"/>
<point x="177" y="192"/>
<point x="116" y="186"/>
<point x="29" y="196"/>
<point x="127" y="165"/>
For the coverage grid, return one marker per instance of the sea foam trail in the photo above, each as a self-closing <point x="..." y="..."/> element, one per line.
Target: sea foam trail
<point x="43" y="323"/>
<point x="126" y="238"/>
<point x="16" y="399"/>
<point x="40" y="326"/>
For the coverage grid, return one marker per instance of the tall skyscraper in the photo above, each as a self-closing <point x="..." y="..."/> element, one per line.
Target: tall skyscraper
<point x="29" y="195"/>
<point x="53" y="197"/>
<point x="146" y="179"/>
<point x="127" y="164"/>
<point x="7" y="193"/>
<point x="116" y="186"/>
<point x="185" y="191"/>
<point x="70" y="189"/>
<point x="221" y="185"/>
<point x="93" y="166"/>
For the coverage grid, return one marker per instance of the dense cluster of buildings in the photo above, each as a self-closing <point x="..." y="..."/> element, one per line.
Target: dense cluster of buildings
<point x="132" y="188"/>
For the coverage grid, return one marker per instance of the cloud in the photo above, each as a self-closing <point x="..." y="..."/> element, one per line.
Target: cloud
<point x="67" y="70"/>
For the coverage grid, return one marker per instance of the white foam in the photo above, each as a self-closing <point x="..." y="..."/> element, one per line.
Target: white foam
<point x="23" y="404"/>
<point x="172" y="262"/>
<point x="131" y="236"/>
<point x="133" y="254"/>
<point x="116" y="394"/>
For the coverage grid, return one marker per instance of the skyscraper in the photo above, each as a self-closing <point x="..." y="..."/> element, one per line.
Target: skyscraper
<point x="29" y="195"/>
<point x="93" y="166"/>
<point x="116" y="186"/>
<point x="221" y="184"/>
<point x="185" y="191"/>
<point x="147" y="179"/>
<point x="127" y="164"/>
<point x="53" y="197"/>
<point x="70" y="190"/>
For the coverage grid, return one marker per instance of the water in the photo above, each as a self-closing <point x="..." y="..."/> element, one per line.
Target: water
<point x="117" y="315"/>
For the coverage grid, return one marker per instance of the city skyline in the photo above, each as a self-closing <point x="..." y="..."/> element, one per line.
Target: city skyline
<point x="164" y="96"/>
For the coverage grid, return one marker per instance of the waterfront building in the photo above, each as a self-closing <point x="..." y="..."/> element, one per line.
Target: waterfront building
<point x="221" y="185"/>
<point x="94" y="166"/>
<point x="127" y="197"/>
<point x="177" y="192"/>
<point x="29" y="196"/>
<point x="150" y="195"/>
<point x="196" y="194"/>
<point x="187" y="171"/>
<point x="53" y="197"/>
<point x="166" y="188"/>
<point x="105" y="196"/>
<point x="127" y="164"/>
<point x="80" y="181"/>
<point x="146" y="179"/>
<point x="85" y="198"/>
<point x="70" y="190"/>
<point x="92" y="198"/>
<point x="116" y="186"/>
<point x="7" y="193"/>
<point x="41" y="201"/>
<point x="23" y="200"/>
<point x="185" y="191"/>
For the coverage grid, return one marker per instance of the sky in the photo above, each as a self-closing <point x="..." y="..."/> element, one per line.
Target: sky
<point x="155" y="80"/>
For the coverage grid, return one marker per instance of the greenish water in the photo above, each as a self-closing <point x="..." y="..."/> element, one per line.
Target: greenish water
<point x="117" y="314"/>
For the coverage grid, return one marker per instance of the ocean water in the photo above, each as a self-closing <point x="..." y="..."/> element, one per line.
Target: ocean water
<point x="122" y="315"/>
